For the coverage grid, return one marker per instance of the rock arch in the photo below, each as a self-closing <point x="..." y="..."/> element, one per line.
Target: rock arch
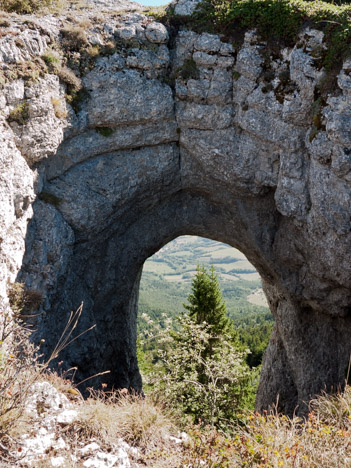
<point x="217" y="154"/>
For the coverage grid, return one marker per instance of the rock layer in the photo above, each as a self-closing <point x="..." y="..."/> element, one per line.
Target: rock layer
<point x="182" y="137"/>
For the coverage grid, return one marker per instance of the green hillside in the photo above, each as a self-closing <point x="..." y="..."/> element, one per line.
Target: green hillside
<point x="166" y="280"/>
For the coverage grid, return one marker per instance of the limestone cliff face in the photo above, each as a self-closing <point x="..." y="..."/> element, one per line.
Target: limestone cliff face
<point x="178" y="136"/>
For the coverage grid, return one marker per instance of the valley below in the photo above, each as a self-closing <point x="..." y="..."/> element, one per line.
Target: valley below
<point x="166" y="284"/>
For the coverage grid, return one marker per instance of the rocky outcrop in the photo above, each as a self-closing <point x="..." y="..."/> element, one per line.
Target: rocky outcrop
<point x="179" y="136"/>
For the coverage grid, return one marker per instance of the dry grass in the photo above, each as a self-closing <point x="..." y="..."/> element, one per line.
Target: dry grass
<point x="93" y="51"/>
<point x="67" y="76"/>
<point x="323" y="440"/>
<point x="141" y="422"/>
<point x="24" y="6"/>
<point x="273" y="440"/>
<point x="4" y="20"/>
<point x="138" y="421"/>
<point x="22" y="299"/>
<point x="20" y="362"/>
<point x="59" y="108"/>
<point x="19" y="370"/>
<point x="20" y="114"/>
<point x="74" y="37"/>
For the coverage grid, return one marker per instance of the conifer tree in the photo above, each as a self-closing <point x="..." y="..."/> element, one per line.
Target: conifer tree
<point x="201" y="369"/>
<point x="206" y="303"/>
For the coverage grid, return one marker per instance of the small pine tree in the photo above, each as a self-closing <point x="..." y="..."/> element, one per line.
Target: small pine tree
<point x="201" y="368"/>
<point x="206" y="303"/>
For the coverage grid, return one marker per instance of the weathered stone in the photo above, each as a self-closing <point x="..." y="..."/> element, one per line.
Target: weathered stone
<point x="157" y="33"/>
<point x="148" y="59"/>
<point x="201" y="116"/>
<point x="208" y="43"/>
<point x="185" y="7"/>
<point x="203" y="59"/>
<point x="249" y="62"/>
<point x="127" y="32"/>
<point x="258" y="163"/>
<point x="132" y="99"/>
<point x="28" y="44"/>
<point x="42" y="131"/>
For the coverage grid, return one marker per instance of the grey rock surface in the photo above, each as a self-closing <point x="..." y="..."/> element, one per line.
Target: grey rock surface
<point x="180" y="137"/>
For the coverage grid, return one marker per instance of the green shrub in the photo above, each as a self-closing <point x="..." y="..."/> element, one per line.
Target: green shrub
<point x="208" y="387"/>
<point x="51" y="58"/>
<point x="20" y="114"/>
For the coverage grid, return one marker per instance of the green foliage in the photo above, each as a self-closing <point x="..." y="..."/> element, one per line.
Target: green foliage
<point x="105" y="131"/>
<point x="255" y="336"/>
<point x="206" y="303"/>
<point x="160" y="293"/>
<point x="20" y="114"/>
<point x="207" y="387"/>
<point x="200" y="368"/>
<point x="24" y="6"/>
<point x="51" y="58"/>
<point x="275" y="20"/>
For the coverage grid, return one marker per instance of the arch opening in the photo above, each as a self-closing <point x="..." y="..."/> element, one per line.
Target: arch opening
<point x="166" y="283"/>
<point x="103" y="266"/>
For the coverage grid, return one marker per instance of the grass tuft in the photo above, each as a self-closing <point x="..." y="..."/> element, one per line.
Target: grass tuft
<point x="135" y="419"/>
<point x="275" y="21"/>
<point x="20" y="114"/>
<point x="59" y="108"/>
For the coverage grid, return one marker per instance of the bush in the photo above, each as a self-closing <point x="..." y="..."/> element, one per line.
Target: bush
<point x="19" y="369"/>
<point x="24" y="6"/>
<point x="209" y="387"/>
<point x="322" y="440"/>
<point x="51" y="58"/>
<point x="137" y="420"/>
<point x="20" y="114"/>
<point x="74" y="37"/>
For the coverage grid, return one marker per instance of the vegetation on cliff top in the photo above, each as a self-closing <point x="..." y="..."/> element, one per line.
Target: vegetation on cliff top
<point x="275" y="21"/>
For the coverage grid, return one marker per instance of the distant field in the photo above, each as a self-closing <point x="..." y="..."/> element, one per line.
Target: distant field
<point x="258" y="298"/>
<point x="166" y="278"/>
